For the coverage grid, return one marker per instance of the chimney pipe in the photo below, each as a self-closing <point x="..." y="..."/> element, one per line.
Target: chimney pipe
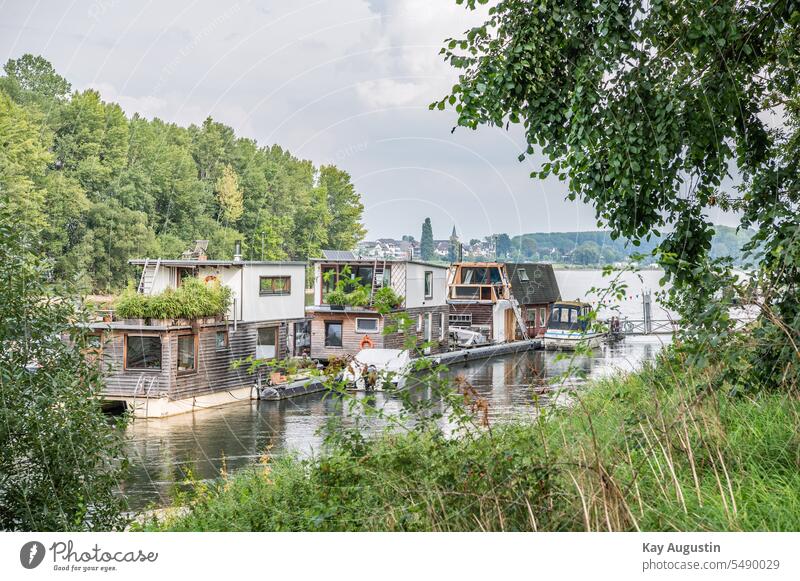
<point x="237" y="251"/>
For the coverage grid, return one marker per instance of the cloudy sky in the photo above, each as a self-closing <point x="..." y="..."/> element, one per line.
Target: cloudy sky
<point x="334" y="81"/>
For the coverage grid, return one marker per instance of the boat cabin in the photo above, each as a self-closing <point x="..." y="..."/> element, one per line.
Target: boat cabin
<point x="535" y="288"/>
<point x="165" y="366"/>
<point x="480" y="300"/>
<point x="348" y="290"/>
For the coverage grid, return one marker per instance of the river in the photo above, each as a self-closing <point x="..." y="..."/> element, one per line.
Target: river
<point x="162" y="452"/>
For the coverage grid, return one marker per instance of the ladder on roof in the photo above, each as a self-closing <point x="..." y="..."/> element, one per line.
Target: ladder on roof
<point x="523" y="327"/>
<point x="378" y="272"/>
<point x="149" y="272"/>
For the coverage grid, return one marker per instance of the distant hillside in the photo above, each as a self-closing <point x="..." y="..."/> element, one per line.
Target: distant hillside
<point x="597" y="247"/>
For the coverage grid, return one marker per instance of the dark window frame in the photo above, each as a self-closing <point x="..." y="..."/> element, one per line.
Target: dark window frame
<point x="341" y="334"/>
<point x="226" y="344"/>
<point x="195" y="354"/>
<point x="285" y="291"/>
<point x="428" y="284"/>
<point x="125" y="347"/>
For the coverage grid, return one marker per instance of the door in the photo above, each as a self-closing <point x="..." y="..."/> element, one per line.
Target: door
<point x="510" y="324"/>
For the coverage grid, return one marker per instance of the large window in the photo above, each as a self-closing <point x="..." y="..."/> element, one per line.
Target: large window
<point x="530" y="315"/>
<point x="142" y="352"/>
<point x="274" y="285"/>
<point x="187" y="353"/>
<point x="267" y="343"/>
<point x="428" y="284"/>
<point x="333" y="334"/>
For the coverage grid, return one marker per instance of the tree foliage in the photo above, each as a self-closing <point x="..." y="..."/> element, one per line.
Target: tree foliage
<point x="426" y="240"/>
<point x="59" y="466"/>
<point x="100" y="188"/>
<point x="646" y="108"/>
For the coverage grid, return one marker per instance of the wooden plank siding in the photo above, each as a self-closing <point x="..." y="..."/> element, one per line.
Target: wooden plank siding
<point x="213" y="371"/>
<point x="351" y="340"/>
<point x="439" y="337"/>
<point x="481" y="314"/>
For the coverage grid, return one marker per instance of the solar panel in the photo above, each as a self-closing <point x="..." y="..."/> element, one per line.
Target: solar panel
<point x="338" y="255"/>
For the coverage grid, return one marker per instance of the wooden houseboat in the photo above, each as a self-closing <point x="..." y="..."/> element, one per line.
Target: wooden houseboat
<point x="535" y="288"/>
<point x="339" y="330"/>
<point x="164" y="367"/>
<point x="480" y="298"/>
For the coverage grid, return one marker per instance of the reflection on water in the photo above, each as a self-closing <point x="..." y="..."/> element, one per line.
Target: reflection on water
<point x="163" y="452"/>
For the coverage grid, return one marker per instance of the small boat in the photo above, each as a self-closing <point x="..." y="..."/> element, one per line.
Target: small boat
<point x="569" y="327"/>
<point x="466" y="338"/>
<point x="373" y="369"/>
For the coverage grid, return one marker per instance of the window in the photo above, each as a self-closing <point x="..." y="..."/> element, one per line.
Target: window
<point x="142" y="352"/>
<point x="267" y="343"/>
<point x="565" y="314"/>
<point x="522" y="274"/>
<point x="329" y="275"/>
<point x="221" y="340"/>
<point x="366" y="325"/>
<point x="442" y="327"/>
<point x="428" y="284"/>
<point x="573" y="315"/>
<point x="542" y="316"/>
<point x="333" y="334"/>
<point x="530" y="315"/>
<point x="419" y="323"/>
<point x="473" y="275"/>
<point x="461" y="320"/>
<point x="274" y="285"/>
<point x="187" y="353"/>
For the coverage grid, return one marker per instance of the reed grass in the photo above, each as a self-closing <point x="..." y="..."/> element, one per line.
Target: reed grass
<point x="659" y="450"/>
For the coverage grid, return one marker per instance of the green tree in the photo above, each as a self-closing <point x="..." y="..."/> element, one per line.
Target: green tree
<point x="644" y="107"/>
<point x="426" y="240"/>
<point x="32" y="78"/>
<point x="345" y="208"/>
<point x="59" y="455"/>
<point x="229" y="196"/>
<point x="586" y="254"/>
<point x="503" y="243"/>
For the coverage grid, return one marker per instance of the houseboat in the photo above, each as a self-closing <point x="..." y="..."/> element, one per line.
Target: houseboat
<point x="569" y="327"/>
<point x="168" y="366"/>
<point x="480" y="300"/>
<point x="345" y="317"/>
<point x="535" y="288"/>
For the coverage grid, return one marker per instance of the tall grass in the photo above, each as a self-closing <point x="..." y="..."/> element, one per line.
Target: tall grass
<point x="657" y="450"/>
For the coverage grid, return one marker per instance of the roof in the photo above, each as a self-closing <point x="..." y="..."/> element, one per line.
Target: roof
<point x="540" y="287"/>
<point x="200" y="263"/>
<point x="373" y="259"/>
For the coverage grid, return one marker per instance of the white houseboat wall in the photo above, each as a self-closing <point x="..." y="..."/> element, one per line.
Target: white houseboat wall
<point x="338" y="331"/>
<point x="176" y="366"/>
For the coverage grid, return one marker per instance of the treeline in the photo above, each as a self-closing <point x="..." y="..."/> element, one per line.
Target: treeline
<point x="597" y="247"/>
<point x="96" y="188"/>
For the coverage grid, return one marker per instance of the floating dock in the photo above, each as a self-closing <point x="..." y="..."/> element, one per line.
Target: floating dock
<point x="463" y="355"/>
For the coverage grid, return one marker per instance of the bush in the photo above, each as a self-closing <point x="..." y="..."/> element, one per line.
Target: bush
<point x="191" y="300"/>
<point x="386" y="299"/>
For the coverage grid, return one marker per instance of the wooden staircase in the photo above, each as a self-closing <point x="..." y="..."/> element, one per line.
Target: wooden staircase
<point x="148" y="277"/>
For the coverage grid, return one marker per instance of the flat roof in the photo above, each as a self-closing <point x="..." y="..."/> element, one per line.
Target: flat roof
<point x="184" y="262"/>
<point x="367" y="260"/>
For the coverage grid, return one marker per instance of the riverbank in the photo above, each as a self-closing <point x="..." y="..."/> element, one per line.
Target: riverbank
<point x="654" y="450"/>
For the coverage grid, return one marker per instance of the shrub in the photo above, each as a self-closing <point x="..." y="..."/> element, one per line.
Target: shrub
<point x="386" y="299"/>
<point x="191" y="300"/>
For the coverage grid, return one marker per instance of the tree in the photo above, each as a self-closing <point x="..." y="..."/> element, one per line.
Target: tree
<point x="34" y="78"/>
<point x="643" y="107"/>
<point x="344" y="206"/>
<point x="229" y="196"/>
<point x="586" y="254"/>
<point x="426" y="240"/>
<point x="503" y="243"/>
<point x="60" y="457"/>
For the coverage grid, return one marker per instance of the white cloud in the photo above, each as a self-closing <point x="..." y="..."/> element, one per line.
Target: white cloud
<point x="389" y="93"/>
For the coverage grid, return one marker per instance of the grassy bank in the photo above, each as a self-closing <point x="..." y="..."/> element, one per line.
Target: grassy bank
<point x="658" y="450"/>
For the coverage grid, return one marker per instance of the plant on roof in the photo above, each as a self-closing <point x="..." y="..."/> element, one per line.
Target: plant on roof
<point x="191" y="300"/>
<point x="386" y="299"/>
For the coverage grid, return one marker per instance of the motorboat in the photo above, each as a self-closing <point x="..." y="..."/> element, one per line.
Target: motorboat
<point x="375" y="369"/>
<point x="466" y="338"/>
<point x="569" y="326"/>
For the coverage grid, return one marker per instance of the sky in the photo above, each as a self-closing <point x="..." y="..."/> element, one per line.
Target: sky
<point x="346" y="82"/>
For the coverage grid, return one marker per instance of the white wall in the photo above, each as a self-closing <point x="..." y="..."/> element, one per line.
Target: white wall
<point x="165" y="278"/>
<point x="269" y="308"/>
<point x="415" y="285"/>
<point x="499" y="320"/>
